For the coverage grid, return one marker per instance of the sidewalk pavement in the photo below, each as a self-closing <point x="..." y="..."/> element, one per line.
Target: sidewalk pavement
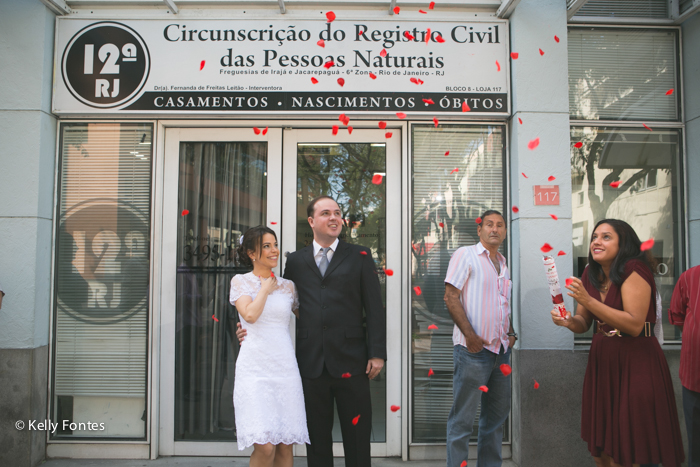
<point x="233" y="461"/>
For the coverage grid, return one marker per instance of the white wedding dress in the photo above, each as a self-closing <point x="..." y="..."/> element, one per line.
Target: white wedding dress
<point x="267" y="396"/>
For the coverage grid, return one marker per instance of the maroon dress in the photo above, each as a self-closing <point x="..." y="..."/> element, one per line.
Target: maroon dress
<point x="629" y="408"/>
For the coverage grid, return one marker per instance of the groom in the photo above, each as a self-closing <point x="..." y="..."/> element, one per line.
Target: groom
<point x="341" y="335"/>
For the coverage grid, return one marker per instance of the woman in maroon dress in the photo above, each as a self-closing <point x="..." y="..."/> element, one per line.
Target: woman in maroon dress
<point x="629" y="409"/>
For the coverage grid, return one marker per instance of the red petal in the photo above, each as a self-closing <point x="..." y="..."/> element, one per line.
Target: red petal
<point x="363" y="253"/>
<point x="349" y="130"/>
<point x="341" y="81"/>
<point x="533" y="144"/>
<point x="431" y="6"/>
<point x="382" y="124"/>
<point x="647" y="245"/>
<point x="478" y="220"/>
<point x="335" y="130"/>
<point x="436" y="122"/>
<point x="523" y="174"/>
<point x="417" y="290"/>
<point x="264" y="132"/>
<point x="314" y="80"/>
<point x="447" y="153"/>
<point x="395" y="408"/>
<point x="272" y="273"/>
<point x="388" y="134"/>
<point x="389" y="272"/>
<point x="201" y="65"/>
<point x="428" y="101"/>
<point x="615" y="184"/>
<point x="321" y="43"/>
<point x="483" y="388"/>
<point x="440" y="39"/>
<point x="568" y="281"/>
<point x="546" y="248"/>
<point x="537" y="385"/>
<point x="372" y="75"/>
<point x="377" y="179"/>
<point x="328" y="64"/>
<point x="424" y="12"/>
<point x="463" y="464"/>
<point x="578" y="145"/>
<point x="541" y="52"/>
<point x="273" y="223"/>
<point x="645" y="126"/>
<point x="355" y="420"/>
<point x="346" y="375"/>
<point x="214" y="318"/>
<point x="465" y="107"/>
<point x="514" y="55"/>
<point x="506" y="369"/>
<point x="342" y="117"/>
<point x="427" y="35"/>
<point x="551" y="178"/>
<point x="397" y="9"/>
<point x="668" y="93"/>
<point x="561" y="253"/>
<point x="556" y="38"/>
<point x="414" y="80"/>
<point x="498" y="66"/>
<point x="433" y="327"/>
<point x="331" y="16"/>
<point x="382" y="53"/>
<point x="554" y="217"/>
<point x="185" y="212"/>
<point x="520" y="120"/>
<point x="431" y="372"/>
<point x="400" y="115"/>
<point x="408" y="35"/>
<point x="454" y="170"/>
<point x="256" y="130"/>
<point x="441" y="225"/>
<point x="515" y="209"/>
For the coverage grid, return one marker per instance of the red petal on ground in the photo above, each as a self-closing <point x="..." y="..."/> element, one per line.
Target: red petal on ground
<point x="439" y="39"/>
<point x="465" y="107"/>
<point x="417" y="290"/>
<point x="506" y="369"/>
<point x="350" y="130"/>
<point x="201" y="65"/>
<point x="347" y="375"/>
<point x="314" y="80"/>
<point x="331" y="16"/>
<point x="356" y="419"/>
<point x="523" y="174"/>
<point x="645" y="126"/>
<point x="185" y="212"/>
<point x="551" y="178"/>
<point x="537" y="385"/>
<point x="264" y="132"/>
<point x="554" y="217"/>
<point x="454" y="170"/>
<point x="341" y="81"/>
<point x="514" y="55"/>
<point x="578" y="145"/>
<point x="395" y="408"/>
<point x="498" y="66"/>
<point x="533" y="144"/>
<point x="515" y="209"/>
<point x="431" y="372"/>
<point x="400" y="115"/>
<point x="520" y="120"/>
<point x="447" y="153"/>
<point x="433" y="327"/>
<point x="377" y="179"/>
<point x="328" y="64"/>
<point x="428" y="101"/>
<point x="541" y="52"/>
<point x="556" y="38"/>
<point x="388" y="134"/>
<point x="668" y="93"/>
<point x="561" y="253"/>
<point x="483" y="388"/>
<point x="382" y="124"/>
<point x="568" y="281"/>
<point x="397" y="9"/>
<point x="256" y="130"/>
<point x="372" y="75"/>
<point x="363" y="253"/>
<point x="382" y="53"/>
<point x="436" y="121"/>
<point x="214" y="318"/>
<point x="647" y="245"/>
<point x="478" y="220"/>
<point x="546" y="248"/>
<point x="431" y="6"/>
<point x="424" y="12"/>
<point x="389" y="272"/>
<point x="321" y="43"/>
<point x="335" y="130"/>
<point x="615" y="184"/>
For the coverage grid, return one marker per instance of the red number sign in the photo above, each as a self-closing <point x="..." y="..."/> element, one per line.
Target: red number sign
<point x="546" y="195"/>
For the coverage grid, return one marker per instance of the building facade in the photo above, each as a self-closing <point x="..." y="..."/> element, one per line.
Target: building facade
<point x="141" y="139"/>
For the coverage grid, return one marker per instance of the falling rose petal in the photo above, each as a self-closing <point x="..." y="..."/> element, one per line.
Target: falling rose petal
<point x="668" y="93"/>
<point x="498" y="66"/>
<point x="382" y="53"/>
<point x="428" y="101"/>
<point x="433" y="327"/>
<point x="578" y="145"/>
<point x="214" y="318"/>
<point x="328" y="64"/>
<point x="439" y="39"/>
<point x="523" y="174"/>
<point x="341" y="81"/>
<point x="427" y="35"/>
<point x="388" y="134"/>
<point x="431" y="6"/>
<point x="395" y="408"/>
<point x="420" y="81"/>
<point x="645" y="126"/>
<point x="382" y="125"/>
<point x="372" y="75"/>
<point x="256" y="130"/>
<point x="397" y="9"/>
<point x="568" y="281"/>
<point x="272" y="273"/>
<point x="314" y="80"/>
<point x="478" y="220"/>
<point x="537" y="385"/>
<point x="389" y="272"/>
<point x="546" y="248"/>
<point x="408" y="35"/>
<point x="264" y="132"/>
<point x="561" y="253"/>
<point x="556" y="39"/>
<point x="377" y="179"/>
<point x="321" y="43"/>
<point x="515" y="209"/>
<point x="454" y="170"/>
<point x="647" y="245"/>
<point x="520" y="120"/>
<point x="424" y="12"/>
<point x="349" y="130"/>
<point x="414" y="80"/>
<point x="342" y="117"/>
<point x="615" y="184"/>
<point x="533" y="144"/>
<point x="347" y="375"/>
<point x="335" y="130"/>
<point x="483" y="388"/>
<point x="463" y="464"/>
<point x="465" y="107"/>
<point x="447" y="153"/>
<point x="273" y="223"/>
<point x="363" y="253"/>
<point x="436" y="121"/>
<point x="417" y="290"/>
<point x="541" y="52"/>
<point x="551" y="178"/>
<point x="514" y="55"/>
<point x="506" y="369"/>
<point x="431" y="372"/>
<point x="355" y="420"/>
<point x="441" y="225"/>
<point x="331" y="16"/>
<point x="185" y="212"/>
<point x="401" y="115"/>
<point x="554" y="217"/>
<point x="201" y="66"/>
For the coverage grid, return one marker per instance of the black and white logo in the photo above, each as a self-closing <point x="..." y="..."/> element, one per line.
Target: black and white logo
<point x="106" y="64"/>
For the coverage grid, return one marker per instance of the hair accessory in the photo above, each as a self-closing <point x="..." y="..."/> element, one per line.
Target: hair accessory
<point x="240" y="240"/>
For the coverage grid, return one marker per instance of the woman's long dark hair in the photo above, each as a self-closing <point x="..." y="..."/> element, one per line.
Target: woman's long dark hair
<point x="629" y="245"/>
<point x="252" y="241"/>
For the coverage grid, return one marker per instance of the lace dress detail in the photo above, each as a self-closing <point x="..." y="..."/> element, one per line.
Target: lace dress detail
<point x="267" y="396"/>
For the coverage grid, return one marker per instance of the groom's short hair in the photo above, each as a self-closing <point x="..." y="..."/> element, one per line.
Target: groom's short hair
<point x="312" y="205"/>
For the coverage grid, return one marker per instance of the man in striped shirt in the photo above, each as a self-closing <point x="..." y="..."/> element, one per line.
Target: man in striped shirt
<point x="477" y="294"/>
<point x="685" y="313"/>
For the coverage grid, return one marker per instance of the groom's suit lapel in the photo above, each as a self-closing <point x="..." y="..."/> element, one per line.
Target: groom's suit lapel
<point x="308" y="255"/>
<point x="342" y="251"/>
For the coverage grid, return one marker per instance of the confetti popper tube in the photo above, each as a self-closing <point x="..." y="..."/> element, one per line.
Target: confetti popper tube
<point x="550" y="269"/>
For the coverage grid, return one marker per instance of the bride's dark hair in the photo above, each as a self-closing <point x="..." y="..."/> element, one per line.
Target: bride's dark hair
<point x="252" y="241"/>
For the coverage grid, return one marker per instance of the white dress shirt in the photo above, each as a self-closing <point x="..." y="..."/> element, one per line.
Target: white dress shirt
<point x="318" y="254"/>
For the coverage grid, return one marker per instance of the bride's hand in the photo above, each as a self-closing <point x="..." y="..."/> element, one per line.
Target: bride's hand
<point x="268" y="285"/>
<point x="240" y="333"/>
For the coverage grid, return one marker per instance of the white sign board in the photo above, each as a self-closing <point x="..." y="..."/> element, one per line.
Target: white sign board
<point x="282" y="67"/>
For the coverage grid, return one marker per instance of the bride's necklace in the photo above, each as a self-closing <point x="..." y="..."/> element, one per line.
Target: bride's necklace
<point x="605" y="286"/>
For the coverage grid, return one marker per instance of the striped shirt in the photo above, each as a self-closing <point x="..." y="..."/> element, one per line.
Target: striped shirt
<point x="485" y="295"/>
<point x="685" y="310"/>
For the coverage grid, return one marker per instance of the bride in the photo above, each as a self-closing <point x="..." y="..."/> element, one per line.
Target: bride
<point x="267" y="395"/>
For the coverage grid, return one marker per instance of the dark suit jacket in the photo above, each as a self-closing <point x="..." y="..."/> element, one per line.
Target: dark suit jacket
<point x="330" y="328"/>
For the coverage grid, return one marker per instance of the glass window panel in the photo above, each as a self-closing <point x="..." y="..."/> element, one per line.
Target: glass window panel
<point x="449" y="193"/>
<point x="647" y="164"/>
<point x="623" y="74"/>
<point x="624" y="8"/>
<point x="344" y="171"/>
<point x="102" y="271"/>
<point x="222" y="193"/>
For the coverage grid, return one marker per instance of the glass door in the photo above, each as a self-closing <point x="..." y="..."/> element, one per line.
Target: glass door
<point x="361" y="171"/>
<point x="217" y="184"/>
